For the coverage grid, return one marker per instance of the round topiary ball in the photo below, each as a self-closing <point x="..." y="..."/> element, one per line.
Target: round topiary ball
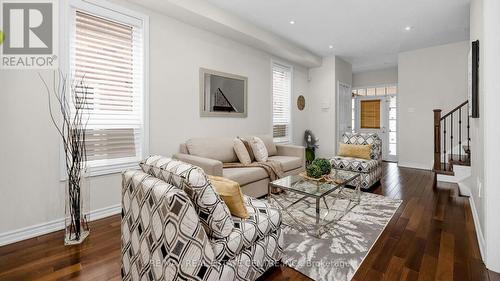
<point x="314" y="171"/>
<point x="324" y="165"/>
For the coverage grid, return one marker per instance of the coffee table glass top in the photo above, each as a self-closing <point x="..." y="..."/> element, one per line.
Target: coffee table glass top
<point x="308" y="187"/>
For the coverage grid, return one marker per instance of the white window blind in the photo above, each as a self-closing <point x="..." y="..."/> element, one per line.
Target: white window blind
<point x="282" y="91"/>
<point x="107" y="54"/>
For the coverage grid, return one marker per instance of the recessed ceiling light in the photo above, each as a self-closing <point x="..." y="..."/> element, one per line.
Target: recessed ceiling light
<point x="408" y="28"/>
<point x="330" y="47"/>
<point x="292" y="22"/>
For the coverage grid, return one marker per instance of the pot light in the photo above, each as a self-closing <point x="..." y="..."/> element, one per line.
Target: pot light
<point x="292" y="22"/>
<point x="408" y="28"/>
<point x="330" y="46"/>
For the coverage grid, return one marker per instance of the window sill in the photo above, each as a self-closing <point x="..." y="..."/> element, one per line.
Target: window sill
<point x="106" y="169"/>
<point x="112" y="169"/>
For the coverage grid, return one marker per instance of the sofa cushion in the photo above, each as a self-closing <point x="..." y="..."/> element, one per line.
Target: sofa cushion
<point x="241" y="151"/>
<point x="245" y="175"/>
<point x="221" y="149"/>
<point x="249" y="149"/>
<point x="230" y="192"/>
<point x="268" y="141"/>
<point x="259" y="149"/>
<point x="263" y="220"/>
<point x="355" y="150"/>
<point x="287" y="162"/>
<point x="270" y="145"/>
<point x="353" y="164"/>
<point x="213" y="212"/>
<point x="365" y="139"/>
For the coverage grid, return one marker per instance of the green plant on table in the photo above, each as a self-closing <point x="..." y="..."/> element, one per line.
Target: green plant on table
<point x="324" y="165"/>
<point x="314" y="171"/>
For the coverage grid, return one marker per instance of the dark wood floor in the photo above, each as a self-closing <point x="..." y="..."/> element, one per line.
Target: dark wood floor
<point x="431" y="237"/>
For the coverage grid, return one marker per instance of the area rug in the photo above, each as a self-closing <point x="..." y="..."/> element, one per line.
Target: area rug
<point x="341" y="249"/>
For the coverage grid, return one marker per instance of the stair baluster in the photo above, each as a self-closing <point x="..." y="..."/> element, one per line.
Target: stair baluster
<point x="468" y="133"/>
<point x="443" y="162"/>
<point x="451" y="136"/>
<point x="460" y="134"/>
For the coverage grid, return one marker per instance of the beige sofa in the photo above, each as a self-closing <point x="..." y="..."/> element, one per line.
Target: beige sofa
<point x="210" y="154"/>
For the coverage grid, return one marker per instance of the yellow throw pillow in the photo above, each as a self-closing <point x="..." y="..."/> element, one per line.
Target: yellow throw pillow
<point x="355" y="150"/>
<point x="230" y="192"/>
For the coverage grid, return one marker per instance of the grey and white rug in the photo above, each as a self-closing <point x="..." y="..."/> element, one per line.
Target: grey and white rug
<point x="340" y="251"/>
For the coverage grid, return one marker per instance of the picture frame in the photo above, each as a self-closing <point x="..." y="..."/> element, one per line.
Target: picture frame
<point x="223" y="94"/>
<point x="473" y="80"/>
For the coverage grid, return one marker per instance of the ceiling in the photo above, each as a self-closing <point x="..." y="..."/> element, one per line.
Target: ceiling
<point x="367" y="33"/>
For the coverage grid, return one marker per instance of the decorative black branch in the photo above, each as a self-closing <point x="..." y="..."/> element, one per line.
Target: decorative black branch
<point x="72" y="130"/>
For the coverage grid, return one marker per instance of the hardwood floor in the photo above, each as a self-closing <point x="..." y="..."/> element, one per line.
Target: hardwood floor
<point x="431" y="237"/>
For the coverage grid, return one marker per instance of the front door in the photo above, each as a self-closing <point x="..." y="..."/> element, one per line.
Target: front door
<point x="373" y="114"/>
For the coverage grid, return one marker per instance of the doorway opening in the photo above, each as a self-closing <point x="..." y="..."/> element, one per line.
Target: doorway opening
<point x="374" y="110"/>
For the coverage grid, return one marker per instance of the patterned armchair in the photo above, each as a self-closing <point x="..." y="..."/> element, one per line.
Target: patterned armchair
<point x="175" y="227"/>
<point x="370" y="170"/>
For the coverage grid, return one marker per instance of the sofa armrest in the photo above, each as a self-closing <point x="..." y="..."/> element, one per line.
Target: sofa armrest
<point x="292" y="150"/>
<point x="209" y="166"/>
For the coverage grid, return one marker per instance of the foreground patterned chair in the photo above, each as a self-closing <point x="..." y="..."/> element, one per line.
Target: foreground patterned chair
<point x="370" y="170"/>
<point x="175" y="227"/>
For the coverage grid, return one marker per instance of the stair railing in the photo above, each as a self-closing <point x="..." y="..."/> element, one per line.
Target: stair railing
<point x="441" y="136"/>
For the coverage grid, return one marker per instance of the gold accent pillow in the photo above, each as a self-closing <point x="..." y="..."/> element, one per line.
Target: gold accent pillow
<point x="230" y="192"/>
<point x="355" y="150"/>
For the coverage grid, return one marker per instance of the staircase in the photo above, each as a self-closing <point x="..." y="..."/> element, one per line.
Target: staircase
<point x="451" y="142"/>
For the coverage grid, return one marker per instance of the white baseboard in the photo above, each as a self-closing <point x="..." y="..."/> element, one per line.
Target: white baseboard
<point x="479" y="231"/>
<point x="413" y="165"/>
<point x="51" y="226"/>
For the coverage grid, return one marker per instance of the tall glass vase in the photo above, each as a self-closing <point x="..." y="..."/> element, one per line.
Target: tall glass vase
<point x="76" y="209"/>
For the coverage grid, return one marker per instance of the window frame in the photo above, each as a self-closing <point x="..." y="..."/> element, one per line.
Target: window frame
<point x="117" y="12"/>
<point x="288" y="138"/>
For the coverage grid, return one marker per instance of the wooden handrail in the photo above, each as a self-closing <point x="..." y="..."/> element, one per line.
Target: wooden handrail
<point x="455" y="109"/>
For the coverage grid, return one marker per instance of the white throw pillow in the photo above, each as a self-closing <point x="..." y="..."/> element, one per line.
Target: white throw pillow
<point x="241" y="151"/>
<point x="259" y="149"/>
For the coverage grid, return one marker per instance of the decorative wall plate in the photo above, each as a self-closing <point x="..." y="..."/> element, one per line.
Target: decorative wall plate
<point x="301" y="102"/>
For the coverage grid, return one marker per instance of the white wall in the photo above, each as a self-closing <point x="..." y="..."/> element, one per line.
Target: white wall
<point x="375" y="77"/>
<point x="177" y="52"/>
<point x="300" y="119"/>
<point x="31" y="192"/>
<point x="343" y="71"/>
<point x="430" y="78"/>
<point x="474" y="183"/>
<point x="491" y="116"/>
<point x="321" y="114"/>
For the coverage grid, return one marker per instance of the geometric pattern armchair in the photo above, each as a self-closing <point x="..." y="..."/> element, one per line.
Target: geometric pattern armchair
<point x="370" y="170"/>
<point x="164" y="237"/>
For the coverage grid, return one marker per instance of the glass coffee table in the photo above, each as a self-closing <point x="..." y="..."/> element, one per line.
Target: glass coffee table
<point x="313" y="192"/>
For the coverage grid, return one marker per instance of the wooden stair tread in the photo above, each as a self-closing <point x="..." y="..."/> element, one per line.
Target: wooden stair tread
<point x="445" y="169"/>
<point x="462" y="160"/>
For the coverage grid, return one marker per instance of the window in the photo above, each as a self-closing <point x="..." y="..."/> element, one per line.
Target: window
<point x="370" y="114"/>
<point x="282" y="91"/>
<point x="107" y="54"/>
<point x="393" y="124"/>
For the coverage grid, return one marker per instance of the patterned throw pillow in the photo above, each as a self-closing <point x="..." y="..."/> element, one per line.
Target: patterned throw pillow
<point x="241" y="151"/>
<point x="259" y="149"/>
<point x="213" y="212"/>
